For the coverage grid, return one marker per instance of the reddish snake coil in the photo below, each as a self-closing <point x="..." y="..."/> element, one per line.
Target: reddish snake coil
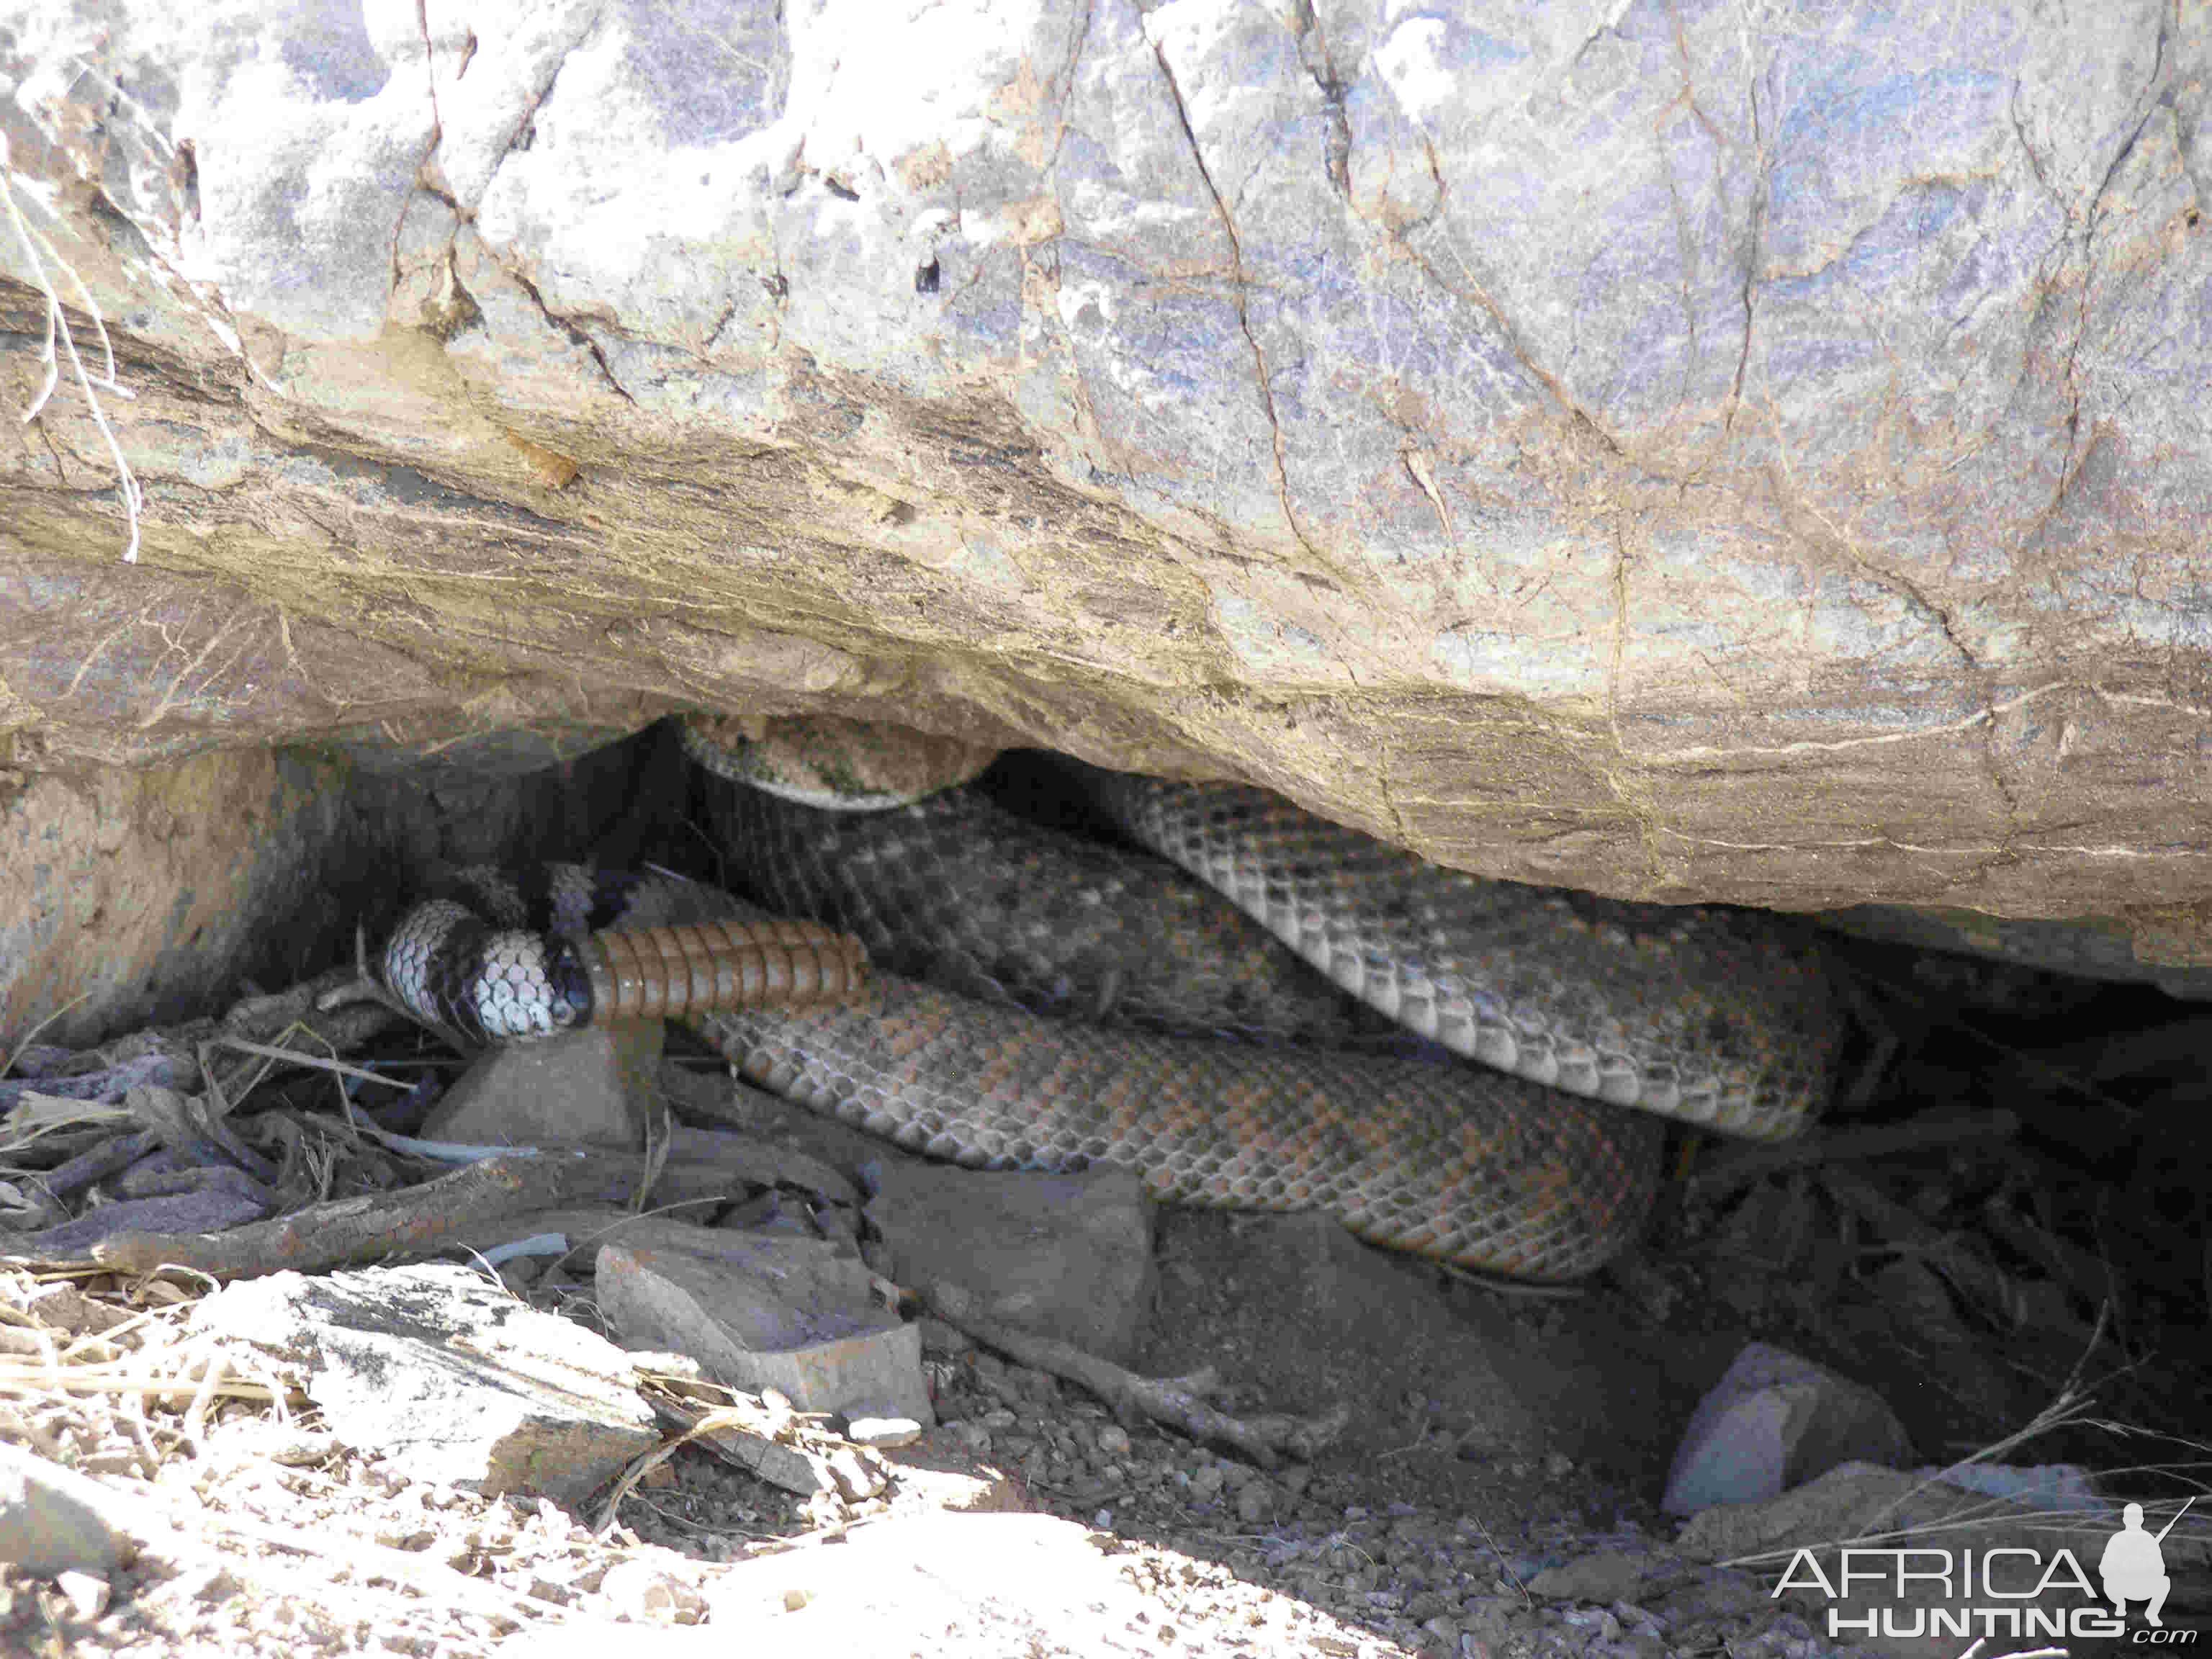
<point x="1717" y="1018"/>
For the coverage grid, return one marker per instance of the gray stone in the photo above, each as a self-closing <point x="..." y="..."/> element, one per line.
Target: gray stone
<point x="767" y="1311"/>
<point x="1775" y="1421"/>
<point x="1606" y="1577"/>
<point x="446" y="1377"/>
<point x="2064" y="1488"/>
<point x="126" y="888"/>
<point x="719" y="1161"/>
<point x="857" y="1480"/>
<point x="779" y="1465"/>
<point x="54" y="1520"/>
<point x="590" y="1087"/>
<point x="1064" y="1255"/>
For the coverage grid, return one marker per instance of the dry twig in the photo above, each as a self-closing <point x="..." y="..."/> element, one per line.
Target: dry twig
<point x="412" y="1221"/>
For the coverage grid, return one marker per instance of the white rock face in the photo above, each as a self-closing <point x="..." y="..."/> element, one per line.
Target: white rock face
<point x="1680" y="450"/>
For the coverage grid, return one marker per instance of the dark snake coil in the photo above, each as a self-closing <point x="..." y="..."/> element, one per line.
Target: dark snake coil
<point x="1086" y="1004"/>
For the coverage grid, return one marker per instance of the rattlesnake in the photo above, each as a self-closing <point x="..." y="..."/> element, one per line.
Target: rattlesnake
<point x="1031" y="939"/>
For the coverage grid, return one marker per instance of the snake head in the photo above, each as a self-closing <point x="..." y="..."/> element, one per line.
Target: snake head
<point x="568" y="984"/>
<point x="522" y="985"/>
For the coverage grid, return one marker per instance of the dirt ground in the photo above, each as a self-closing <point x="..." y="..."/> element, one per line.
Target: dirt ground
<point x="1495" y="1438"/>
<point x="2029" y="1235"/>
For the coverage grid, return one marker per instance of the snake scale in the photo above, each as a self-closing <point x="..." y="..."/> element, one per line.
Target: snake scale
<point x="1039" y="1000"/>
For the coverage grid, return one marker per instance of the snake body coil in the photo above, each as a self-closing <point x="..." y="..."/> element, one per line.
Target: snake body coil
<point x="1029" y="937"/>
<point x="1445" y="1160"/>
<point x="1718" y="1018"/>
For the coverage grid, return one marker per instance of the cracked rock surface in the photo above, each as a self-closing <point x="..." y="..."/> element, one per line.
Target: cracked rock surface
<point x="1672" y="451"/>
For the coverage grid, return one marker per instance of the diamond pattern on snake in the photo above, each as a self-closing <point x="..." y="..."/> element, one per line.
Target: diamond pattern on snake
<point x="1491" y="1093"/>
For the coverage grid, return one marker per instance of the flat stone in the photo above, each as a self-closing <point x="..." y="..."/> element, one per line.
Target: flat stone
<point x="773" y="1310"/>
<point x="779" y="1465"/>
<point x="446" y="1377"/>
<point x="54" y="1520"/>
<point x="722" y="1160"/>
<point x="1606" y="1577"/>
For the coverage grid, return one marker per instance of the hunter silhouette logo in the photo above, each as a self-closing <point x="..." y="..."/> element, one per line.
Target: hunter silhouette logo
<point x="2133" y="1565"/>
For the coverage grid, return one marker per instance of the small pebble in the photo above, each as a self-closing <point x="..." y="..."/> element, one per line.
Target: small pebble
<point x="1637" y="1618"/>
<point x="1042" y="1387"/>
<point x="520" y="1273"/>
<point x="941" y="1339"/>
<point x="856" y="1477"/>
<point x="1599" y="1619"/>
<point x="211" y="1585"/>
<point x="86" y="1593"/>
<point x="883" y="1431"/>
<point x="638" y="1590"/>
<point x="297" y="1448"/>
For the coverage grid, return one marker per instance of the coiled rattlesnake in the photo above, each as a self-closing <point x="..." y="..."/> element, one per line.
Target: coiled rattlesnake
<point x="1072" y="1003"/>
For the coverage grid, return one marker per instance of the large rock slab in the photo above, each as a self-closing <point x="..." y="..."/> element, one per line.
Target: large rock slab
<point x="446" y="1377"/>
<point x="1661" y="449"/>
